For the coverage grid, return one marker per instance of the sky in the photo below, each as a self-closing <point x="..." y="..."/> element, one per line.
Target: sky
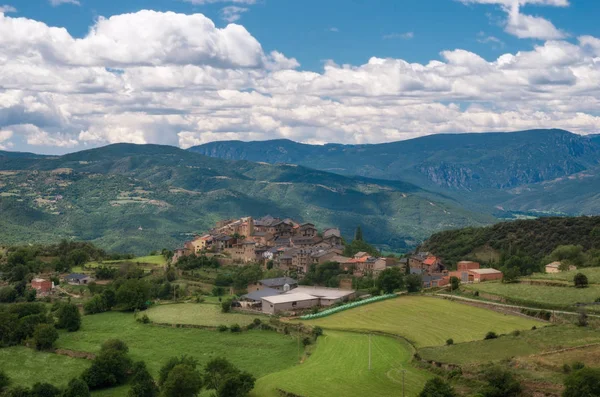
<point x="78" y="74"/>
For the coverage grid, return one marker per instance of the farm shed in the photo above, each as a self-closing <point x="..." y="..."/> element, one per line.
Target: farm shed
<point x="288" y="302"/>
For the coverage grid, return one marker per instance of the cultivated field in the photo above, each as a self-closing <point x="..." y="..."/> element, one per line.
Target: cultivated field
<point x="592" y="273"/>
<point x="26" y="366"/>
<point x="546" y="339"/>
<point x="559" y="296"/>
<point x="425" y="321"/>
<point x="339" y="367"/>
<point x="199" y="314"/>
<point x="259" y="352"/>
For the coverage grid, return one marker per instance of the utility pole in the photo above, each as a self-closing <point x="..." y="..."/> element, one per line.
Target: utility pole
<point x="403" y="376"/>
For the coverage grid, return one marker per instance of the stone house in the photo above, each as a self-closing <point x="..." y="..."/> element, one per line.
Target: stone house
<point x="332" y="236"/>
<point x="42" y="286"/>
<point x="306" y="230"/>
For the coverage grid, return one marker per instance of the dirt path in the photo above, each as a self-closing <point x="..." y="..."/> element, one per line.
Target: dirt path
<point x="461" y="298"/>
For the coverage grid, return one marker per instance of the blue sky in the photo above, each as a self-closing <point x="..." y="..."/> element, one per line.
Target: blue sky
<point x="346" y="31"/>
<point x="311" y="71"/>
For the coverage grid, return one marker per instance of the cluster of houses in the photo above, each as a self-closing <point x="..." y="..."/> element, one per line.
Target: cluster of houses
<point x="283" y="294"/>
<point x="435" y="274"/>
<point x="285" y="244"/>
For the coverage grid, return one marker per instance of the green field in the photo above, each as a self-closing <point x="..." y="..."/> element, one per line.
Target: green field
<point x="26" y="366"/>
<point x="425" y="321"/>
<point x="147" y="262"/>
<point x="528" y="342"/>
<point x="155" y="345"/>
<point x="198" y="314"/>
<point x="592" y="273"/>
<point x="339" y="367"/>
<point x="559" y="296"/>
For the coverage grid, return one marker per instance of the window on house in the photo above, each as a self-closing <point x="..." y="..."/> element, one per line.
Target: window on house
<point x="294" y="304"/>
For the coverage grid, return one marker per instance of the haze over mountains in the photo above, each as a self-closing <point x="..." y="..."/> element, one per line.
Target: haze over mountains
<point x="139" y="197"/>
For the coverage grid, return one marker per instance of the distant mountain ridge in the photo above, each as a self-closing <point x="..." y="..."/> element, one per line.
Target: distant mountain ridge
<point x="139" y="198"/>
<point x="506" y="171"/>
<point x="456" y="161"/>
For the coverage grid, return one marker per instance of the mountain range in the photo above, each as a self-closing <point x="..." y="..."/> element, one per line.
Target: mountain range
<point x="535" y="171"/>
<point x="137" y="198"/>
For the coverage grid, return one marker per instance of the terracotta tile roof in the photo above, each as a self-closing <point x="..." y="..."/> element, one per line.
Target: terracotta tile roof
<point x="430" y="260"/>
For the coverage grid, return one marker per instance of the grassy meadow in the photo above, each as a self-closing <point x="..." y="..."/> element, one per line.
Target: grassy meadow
<point x="26" y="366"/>
<point x="592" y="273"/>
<point x="155" y="345"/>
<point x="425" y="321"/>
<point x="339" y="367"/>
<point x="542" y="294"/>
<point x="198" y="314"/>
<point x="508" y="346"/>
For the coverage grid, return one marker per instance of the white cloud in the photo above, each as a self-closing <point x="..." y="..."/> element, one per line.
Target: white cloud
<point x="56" y="3"/>
<point x="485" y="39"/>
<point x="5" y="9"/>
<point x="334" y="30"/>
<point x="403" y="36"/>
<point x="5" y="135"/>
<point x="71" y="93"/>
<point x="526" y="26"/>
<point x="232" y="13"/>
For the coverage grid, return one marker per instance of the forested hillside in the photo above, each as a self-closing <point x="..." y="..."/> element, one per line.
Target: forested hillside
<point x="137" y="198"/>
<point x="529" y="240"/>
<point x="511" y="172"/>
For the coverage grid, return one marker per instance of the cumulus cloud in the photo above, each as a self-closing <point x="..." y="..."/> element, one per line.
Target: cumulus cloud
<point x="5" y="9"/>
<point x="526" y="26"/>
<point x="188" y="82"/>
<point x="5" y="135"/>
<point x="56" y="3"/>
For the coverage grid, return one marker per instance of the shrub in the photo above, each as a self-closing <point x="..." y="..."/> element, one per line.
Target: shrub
<point x="222" y="328"/>
<point x="580" y="280"/>
<point x="566" y="368"/>
<point x="436" y="387"/>
<point x="516" y="333"/>
<point x="306" y="341"/>
<point x="226" y="306"/>
<point x="4" y="380"/>
<point x="317" y="331"/>
<point x="144" y="319"/>
<point x="235" y="328"/>
<point x="44" y="336"/>
<point x="584" y="382"/>
<point x="577" y="365"/>
<point x="491" y="335"/>
<point x="450" y="341"/>
<point x="582" y="320"/>
<point x="256" y="322"/>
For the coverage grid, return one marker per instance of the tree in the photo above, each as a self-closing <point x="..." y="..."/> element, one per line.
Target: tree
<point x="436" y="387"/>
<point x="77" y="257"/>
<point x="580" y="280"/>
<point x="142" y="383"/>
<point x="583" y="383"/>
<point x="500" y="383"/>
<point x="45" y="390"/>
<point x="358" y="235"/>
<point x="17" y="391"/>
<point x="226" y="306"/>
<point x="414" y="283"/>
<point x="77" y="388"/>
<point x="582" y="320"/>
<point x="216" y="371"/>
<point x="44" y="336"/>
<point x="238" y="385"/>
<point x="68" y="317"/>
<point x="510" y="275"/>
<point x="4" y="380"/>
<point x="182" y="381"/>
<point x="390" y="280"/>
<point x="8" y="294"/>
<point x="491" y="335"/>
<point x="571" y="253"/>
<point x="172" y="363"/>
<point x="110" y="367"/>
<point x="133" y="294"/>
<point x="454" y="283"/>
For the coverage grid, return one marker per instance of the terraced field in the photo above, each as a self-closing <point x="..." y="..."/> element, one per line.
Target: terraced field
<point x="425" y="321"/>
<point x="198" y="314"/>
<point x="540" y="294"/>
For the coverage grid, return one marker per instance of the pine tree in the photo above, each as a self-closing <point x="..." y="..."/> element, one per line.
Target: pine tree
<point x="358" y="236"/>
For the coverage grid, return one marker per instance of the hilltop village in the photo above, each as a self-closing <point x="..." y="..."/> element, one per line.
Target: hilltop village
<point x="293" y="247"/>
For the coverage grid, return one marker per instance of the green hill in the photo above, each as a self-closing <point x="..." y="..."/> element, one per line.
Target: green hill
<point x="534" y="239"/>
<point x="498" y="172"/>
<point x="137" y="198"/>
